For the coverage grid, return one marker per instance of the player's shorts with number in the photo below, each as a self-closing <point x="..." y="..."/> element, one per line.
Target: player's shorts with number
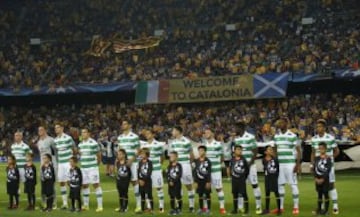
<point x="216" y="180"/>
<point x="63" y="172"/>
<point x="287" y="175"/>
<point x="187" y="177"/>
<point x="133" y="168"/>
<point x="252" y="177"/>
<point x="90" y="175"/>
<point x="157" y="179"/>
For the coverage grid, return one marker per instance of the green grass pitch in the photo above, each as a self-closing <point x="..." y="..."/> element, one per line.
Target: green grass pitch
<point x="348" y="185"/>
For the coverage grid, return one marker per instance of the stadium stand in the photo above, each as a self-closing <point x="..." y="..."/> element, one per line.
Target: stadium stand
<point x="269" y="37"/>
<point x="342" y="113"/>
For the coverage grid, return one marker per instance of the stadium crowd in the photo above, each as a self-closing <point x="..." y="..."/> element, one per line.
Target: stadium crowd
<point x="269" y="38"/>
<point x="341" y="112"/>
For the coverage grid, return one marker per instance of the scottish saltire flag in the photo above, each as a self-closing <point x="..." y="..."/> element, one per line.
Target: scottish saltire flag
<point x="270" y="85"/>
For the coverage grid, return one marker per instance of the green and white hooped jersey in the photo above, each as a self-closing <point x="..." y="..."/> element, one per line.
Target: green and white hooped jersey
<point x="19" y="150"/>
<point x="214" y="153"/>
<point x="183" y="147"/>
<point x="248" y="143"/>
<point x="130" y="143"/>
<point x="330" y="144"/>
<point x="156" y="152"/>
<point x="64" y="145"/>
<point x="286" y="144"/>
<point x="88" y="150"/>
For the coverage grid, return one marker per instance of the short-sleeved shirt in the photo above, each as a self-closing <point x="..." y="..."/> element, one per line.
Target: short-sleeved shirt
<point x="330" y="144"/>
<point x="19" y="150"/>
<point x="156" y="152"/>
<point x="183" y="147"/>
<point x="214" y="152"/>
<point x="248" y="143"/>
<point x="286" y="146"/>
<point x="130" y="143"/>
<point x="64" y="145"/>
<point x="88" y="150"/>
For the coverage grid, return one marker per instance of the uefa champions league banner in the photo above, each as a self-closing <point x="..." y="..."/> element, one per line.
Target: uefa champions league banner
<point x="219" y="88"/>
<point x="70" y="89"/>
<point x="336" y="74"/>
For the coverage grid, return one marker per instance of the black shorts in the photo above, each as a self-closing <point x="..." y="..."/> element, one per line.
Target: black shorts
<point x="271" y="185"/>
<point x="175" y="191"/>
<point x="12" y="188"/>
<point x="146" y="188"/>
<point x="201" y="189"/>
<point x="75" y="193"/>
<point x="108" y="160"/>
<point x="29" y="188"/>
<point x="47" y="189"/>
<point x="239" y="187"/>
<point x="122" y="187"/>
<point x="324" y="187"/>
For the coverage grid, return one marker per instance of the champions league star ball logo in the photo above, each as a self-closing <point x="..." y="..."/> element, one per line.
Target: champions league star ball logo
<point x="239" y="167"/>
<point x="29" y="173"/>
<point x="201" y="172"/>
<point x="321" y="166"/>
<point x="174" y="172"/>
<point x="11" y="174"/>
<point x="47" y="173"/>
<point x="144" y="169"/>
<point x="271" y="168"/>
<point x="123" y="172"/>
<point x="203" y="168"/>
<point x="74" y="177"/>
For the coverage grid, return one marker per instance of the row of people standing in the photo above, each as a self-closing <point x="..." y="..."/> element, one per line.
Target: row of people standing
<point x="62" y="149"/>
<point x="287" y="148"/>
<point x="286" y="145"/>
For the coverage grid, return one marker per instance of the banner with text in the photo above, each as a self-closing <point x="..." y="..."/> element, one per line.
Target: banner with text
<point x="209" y="89"/>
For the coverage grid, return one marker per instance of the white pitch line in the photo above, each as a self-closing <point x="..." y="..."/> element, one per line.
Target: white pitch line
<point x="115" y="190"/>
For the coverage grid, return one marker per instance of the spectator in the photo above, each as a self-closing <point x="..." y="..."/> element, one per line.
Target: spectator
<point x="341" y="112"/>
